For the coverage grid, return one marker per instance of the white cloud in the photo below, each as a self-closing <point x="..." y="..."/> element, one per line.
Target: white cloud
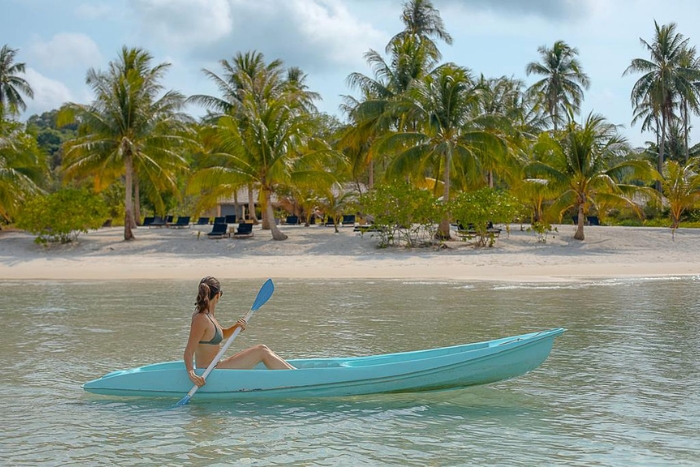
<point x="94" y="10"/>
<point x="67" y="50"/>
<point x="49" y="94"/>
<point x="184" y="23"/>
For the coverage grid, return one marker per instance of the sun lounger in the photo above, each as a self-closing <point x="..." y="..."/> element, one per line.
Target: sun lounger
<point x="230" y="219"/>
<point x="220" y="220"/>
<point x="182" y="222"/>
<point x="348" y="219"/>
<point x="218" y="231"/>
<point x="157" y="222"/>
<point x="292" y="220"/>
<point x="203" y="221"/>
<point x="148" y="221"/>
<point x="243" y="231"/>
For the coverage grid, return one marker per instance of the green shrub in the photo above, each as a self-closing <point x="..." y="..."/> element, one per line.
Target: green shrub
<point x="60" y="217"/>
<point x="481" y="207"/>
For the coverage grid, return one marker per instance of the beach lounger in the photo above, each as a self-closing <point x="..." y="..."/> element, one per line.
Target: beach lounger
<point x="218" y="231"/>
<point x="182" y="222"/>
<point x="348" y="219"/>
<point x="243" y="231"/>
<point x="292" y="220"/>
<point x="220" y="220"/>
<point x="230" y="219"/>
<point x="203" y="221"/>
<point x="148" y="221"/>
<point x="157" y="222"/>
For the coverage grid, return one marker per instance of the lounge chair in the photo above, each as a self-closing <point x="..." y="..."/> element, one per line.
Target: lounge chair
<point x="220" y="220"/>
<point x="157" y="222"/>
<point x="148" y="221"/>
<point x="312" y="219"/>
<point x="292" y="220"/>
<point x="348" y="219"/>
<point x="218" y="231"/>
<point x="182" y="222"/>
<point x="203" y="221"/>
<point x="330" y="222"/>
<point x="230" y="219"/>
<point x="593" y="220"/>
<point x="169" y="219"/>
<point x="244" y="230"/>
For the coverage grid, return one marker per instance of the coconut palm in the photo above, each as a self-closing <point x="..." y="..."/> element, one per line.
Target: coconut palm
<point x="563" y="81"/>
<point x="447" y="140"/>
<point x="681" y="187"/>
<point x="575" y="163"/>
<point x="422" y="23"/>
<point x="663" y="77"/>
<point x="129" y="128"/>
<point x="22" y="168"/>
<point x="12" y="86"/>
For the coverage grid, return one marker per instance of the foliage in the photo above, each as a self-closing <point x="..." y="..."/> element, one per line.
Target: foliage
<point x="681" y="187"/>
<point x="12" y="86"/>
<point x="402" y="214"/>
<point x="481" y="208"/>
<point x="60" y="217"/>
<point x="50" y="136"/>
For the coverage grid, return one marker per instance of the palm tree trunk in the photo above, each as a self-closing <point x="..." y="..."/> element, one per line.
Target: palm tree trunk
<point x="444" y="228"/>
<point x="269" y="216"/>
<point x="685" y="128"/>
<point x="128" y="198"/>
<point x="137" y="201"/>
<point x="251" y="205"/>
<point x="662" y="144"/>
<point x="581" y="220"/>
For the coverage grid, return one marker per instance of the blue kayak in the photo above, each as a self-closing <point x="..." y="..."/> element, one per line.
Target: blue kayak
<point x="424" y="370"/>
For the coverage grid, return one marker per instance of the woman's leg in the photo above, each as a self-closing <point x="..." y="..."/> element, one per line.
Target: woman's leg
<point x="248" y="358"/>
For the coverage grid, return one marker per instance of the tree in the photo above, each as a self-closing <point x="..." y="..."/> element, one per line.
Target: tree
<point x="22" y="168"/>
<point x="129" y="128"/>
<point x="663" y="78"/>
<point x="263" y="130"/>
<point x="446" y="142"/>
<point x="12" y="86"/>
<point x="575" y="163"/>
<point x="423" y="23"/>
<point x="681" y="187"/>
<point x="561" y="87"/>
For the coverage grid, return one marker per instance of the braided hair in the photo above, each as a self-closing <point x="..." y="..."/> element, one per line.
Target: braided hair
<point x="208" y="288"/>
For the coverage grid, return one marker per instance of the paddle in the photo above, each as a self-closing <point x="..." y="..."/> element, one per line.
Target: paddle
<point x="263" y="296"/>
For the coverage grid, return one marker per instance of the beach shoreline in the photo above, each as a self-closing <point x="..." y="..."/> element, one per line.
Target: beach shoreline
<point x="316" y="252"/>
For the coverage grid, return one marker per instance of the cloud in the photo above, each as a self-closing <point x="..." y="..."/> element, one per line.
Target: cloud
<point x="95" y="10"/>
<point x="184" y="23"/>
<point x="547" y="9"/>
<point x="67" y="50"/>
<point x="49" y="94"/>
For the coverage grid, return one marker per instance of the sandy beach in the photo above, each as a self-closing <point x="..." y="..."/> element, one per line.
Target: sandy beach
<point x="318" y="252"/>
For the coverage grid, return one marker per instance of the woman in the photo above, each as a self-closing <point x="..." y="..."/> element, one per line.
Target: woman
<point x="206" y="335"/>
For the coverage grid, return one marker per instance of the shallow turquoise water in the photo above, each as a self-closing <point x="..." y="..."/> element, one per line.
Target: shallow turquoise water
<point x="621" y="387"/>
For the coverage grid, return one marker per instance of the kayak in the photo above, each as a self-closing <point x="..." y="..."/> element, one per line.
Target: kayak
<point x="436" y="369"/>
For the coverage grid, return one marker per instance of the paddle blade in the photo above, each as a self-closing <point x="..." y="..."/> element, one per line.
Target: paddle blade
<point x="183" y="401"/>
<point x="264" y="295"/>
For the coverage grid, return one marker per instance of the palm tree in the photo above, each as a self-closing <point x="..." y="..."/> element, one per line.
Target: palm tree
<point x="575" y="163"/>
<point x="423" y="23"/>
<point x="129" y="128"/>
<point x="446" y="140"/>
<point x="663" y="76"/>
<point x="21" y="168"/>
<point x="561" y="87"/>
<point x="263" y="131"/>
<point x="12" y="86"/>
<point x="681" y="187"/>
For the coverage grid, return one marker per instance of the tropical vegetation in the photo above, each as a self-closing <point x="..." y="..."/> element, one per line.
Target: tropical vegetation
<point x="421" y="144"/>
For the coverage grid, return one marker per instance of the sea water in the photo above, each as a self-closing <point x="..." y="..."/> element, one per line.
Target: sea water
<point x="621" y="386"/>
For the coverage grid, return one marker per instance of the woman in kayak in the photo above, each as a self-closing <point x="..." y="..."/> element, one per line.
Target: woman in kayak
<point x="206" y="334"/>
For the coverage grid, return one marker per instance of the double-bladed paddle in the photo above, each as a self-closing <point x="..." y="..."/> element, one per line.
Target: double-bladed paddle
<point x="263" y="296"/>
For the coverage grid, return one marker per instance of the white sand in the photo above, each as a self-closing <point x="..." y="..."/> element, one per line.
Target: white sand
<point x="318" y="252"/>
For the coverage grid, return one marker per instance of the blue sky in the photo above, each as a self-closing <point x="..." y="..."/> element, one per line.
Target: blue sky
<point x="60" y="40"/>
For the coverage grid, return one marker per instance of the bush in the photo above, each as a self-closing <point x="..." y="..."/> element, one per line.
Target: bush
<point x="402" y="214"/>
<point x="482" y="207"/>
<point x="60" y="217"/>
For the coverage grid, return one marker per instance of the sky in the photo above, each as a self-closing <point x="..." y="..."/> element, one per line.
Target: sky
<point x="59" y="41"/>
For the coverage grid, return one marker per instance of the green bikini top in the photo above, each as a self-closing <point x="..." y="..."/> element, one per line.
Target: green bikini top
<point x="218" y="335"/>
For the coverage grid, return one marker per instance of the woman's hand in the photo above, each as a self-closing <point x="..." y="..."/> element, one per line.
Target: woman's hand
<point x="196" y="379"/>
<point x="242" y="323"/>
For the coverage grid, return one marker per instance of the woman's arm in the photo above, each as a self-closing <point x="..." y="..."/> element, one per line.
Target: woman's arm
<point x="241" y="323"/>
<point x="197" y="330"/>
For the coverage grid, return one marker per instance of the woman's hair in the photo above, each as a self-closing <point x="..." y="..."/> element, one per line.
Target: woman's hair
<point x="208" y="288"/>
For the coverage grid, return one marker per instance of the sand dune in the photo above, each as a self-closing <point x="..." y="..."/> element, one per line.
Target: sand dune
<point x="318" y="252"/>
